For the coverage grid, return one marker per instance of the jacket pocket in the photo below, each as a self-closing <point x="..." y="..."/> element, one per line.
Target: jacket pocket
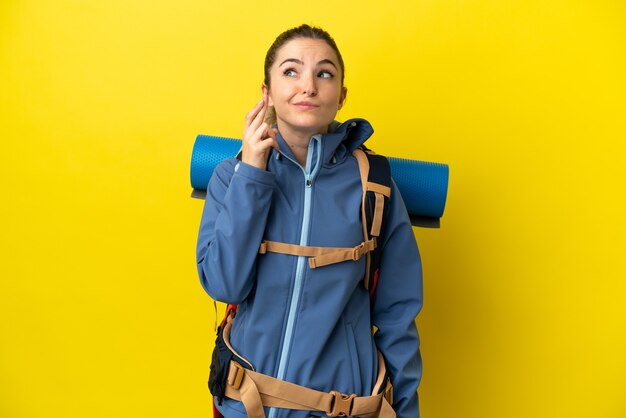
<point x="354" y="359"/>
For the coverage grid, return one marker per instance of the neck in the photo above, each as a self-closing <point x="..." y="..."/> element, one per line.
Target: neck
<point x="298" y="140"/>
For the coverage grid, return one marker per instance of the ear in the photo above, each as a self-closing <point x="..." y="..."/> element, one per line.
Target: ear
<point x="266" y="90"/>
<point x="342" y="97"/>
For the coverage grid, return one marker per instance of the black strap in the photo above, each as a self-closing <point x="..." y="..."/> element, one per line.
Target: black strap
<point x="380" y="173"/>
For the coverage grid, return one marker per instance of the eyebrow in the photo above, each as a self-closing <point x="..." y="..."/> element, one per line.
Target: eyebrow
<point x="297" y="61"/>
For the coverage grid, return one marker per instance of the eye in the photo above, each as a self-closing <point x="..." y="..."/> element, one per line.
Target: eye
<point x="325" y="74"/>
<point x="290" y="72"/>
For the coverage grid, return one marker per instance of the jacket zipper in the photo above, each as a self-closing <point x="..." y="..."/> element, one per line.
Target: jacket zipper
<point x="294" y="302"/>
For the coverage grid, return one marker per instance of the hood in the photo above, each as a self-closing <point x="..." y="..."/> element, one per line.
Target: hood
<point x="343" y="138"/>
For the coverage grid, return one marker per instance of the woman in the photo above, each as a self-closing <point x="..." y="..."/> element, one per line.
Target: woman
<point x="297" y="182"/>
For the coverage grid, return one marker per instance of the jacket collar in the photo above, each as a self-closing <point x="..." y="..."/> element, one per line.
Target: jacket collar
<point x="341" y="139"/>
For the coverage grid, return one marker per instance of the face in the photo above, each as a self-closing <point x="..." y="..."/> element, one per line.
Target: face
<point x="305" y="86"/>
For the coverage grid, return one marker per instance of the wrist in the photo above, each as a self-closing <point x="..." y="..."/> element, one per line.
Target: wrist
<point x="258" y="162"/>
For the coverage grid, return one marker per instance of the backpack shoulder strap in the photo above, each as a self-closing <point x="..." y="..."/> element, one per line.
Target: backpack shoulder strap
<point x="375" y="173"/>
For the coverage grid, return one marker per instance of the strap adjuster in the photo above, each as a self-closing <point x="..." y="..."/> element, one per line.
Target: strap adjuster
<point x="341" y="405"/>
<point x="357" y="251"/>
<point x="235" y="375"/>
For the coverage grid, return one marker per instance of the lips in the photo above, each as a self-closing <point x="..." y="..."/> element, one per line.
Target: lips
<point x="306" y="105"/>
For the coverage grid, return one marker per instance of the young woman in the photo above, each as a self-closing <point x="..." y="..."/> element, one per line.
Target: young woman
<point x="297" y="182"/>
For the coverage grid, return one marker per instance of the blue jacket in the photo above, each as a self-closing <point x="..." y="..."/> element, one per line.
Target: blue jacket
<point x="312" y="326"/>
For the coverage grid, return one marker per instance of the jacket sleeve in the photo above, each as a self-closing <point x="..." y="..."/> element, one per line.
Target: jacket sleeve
<point x="231" y="229"/>
<point x="397" y="302"/>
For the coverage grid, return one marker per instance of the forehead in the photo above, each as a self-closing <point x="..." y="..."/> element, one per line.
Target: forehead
<point x="306" y="50"/>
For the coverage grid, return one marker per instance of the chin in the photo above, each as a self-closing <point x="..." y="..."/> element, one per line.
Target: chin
<point x="310" y="124"/>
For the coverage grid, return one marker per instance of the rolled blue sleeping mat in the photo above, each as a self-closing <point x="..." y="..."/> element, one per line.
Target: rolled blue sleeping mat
<point x="423" y="185"/>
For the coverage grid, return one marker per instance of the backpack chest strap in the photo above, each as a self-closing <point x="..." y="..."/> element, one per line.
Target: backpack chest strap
<point x="319" y="256"/>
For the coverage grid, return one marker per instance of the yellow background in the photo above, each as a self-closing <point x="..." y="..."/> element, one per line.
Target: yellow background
<point x="101" y="310"/>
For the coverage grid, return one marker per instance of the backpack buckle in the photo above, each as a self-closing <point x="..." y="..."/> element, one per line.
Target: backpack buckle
<point x="341" y="405"/>
<point x="235" y="374"/>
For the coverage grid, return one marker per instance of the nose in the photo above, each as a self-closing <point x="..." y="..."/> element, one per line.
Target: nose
<point x="309" y="85"/>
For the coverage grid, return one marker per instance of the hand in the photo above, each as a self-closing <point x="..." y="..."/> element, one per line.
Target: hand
<point x="258" y="138"/>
